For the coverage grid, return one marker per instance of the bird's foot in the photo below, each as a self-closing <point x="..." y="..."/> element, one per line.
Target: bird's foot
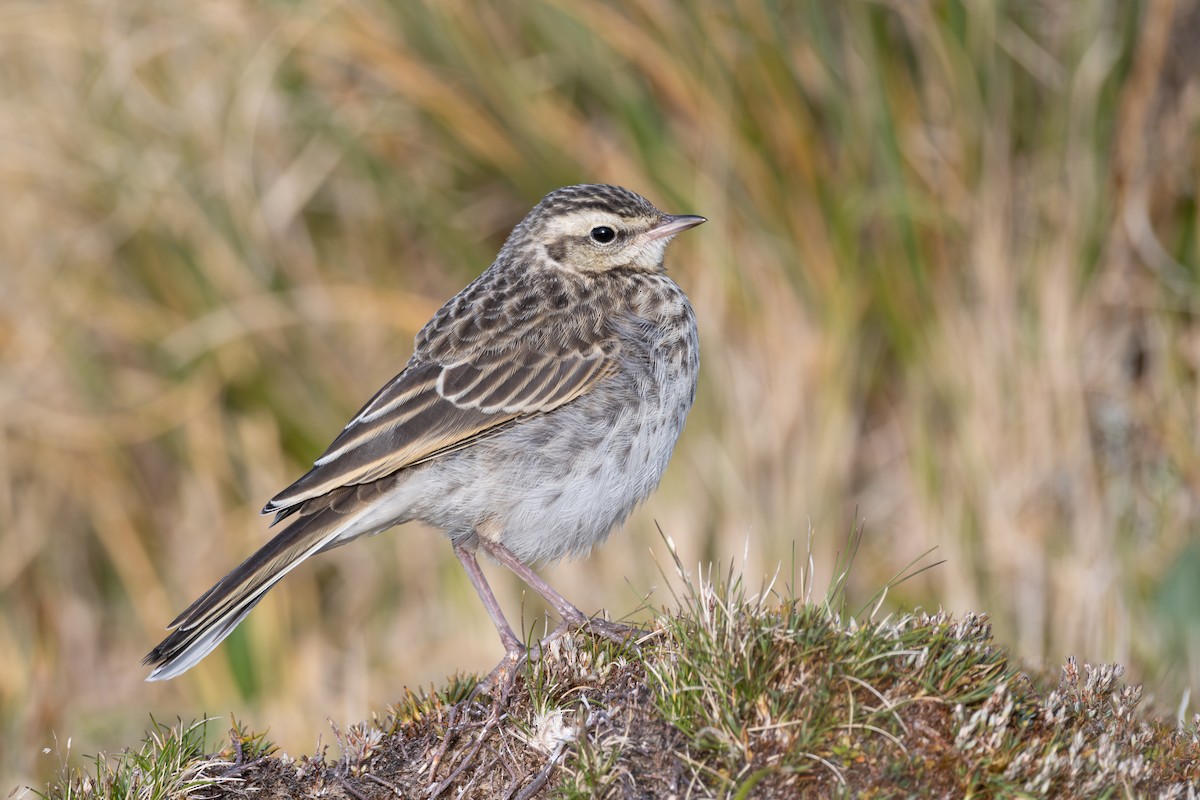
<point x="629" y="636"/>
<point x="499" y="683"/>
<point x="620" y="633"/>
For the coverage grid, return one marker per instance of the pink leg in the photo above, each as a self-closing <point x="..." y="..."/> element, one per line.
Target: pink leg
<point x="513" y="645"/>
<point x="565" y="609"/>
<point x="571" y="616"/>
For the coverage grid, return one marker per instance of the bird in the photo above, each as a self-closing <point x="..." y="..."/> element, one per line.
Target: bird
<point x="541" y="404"/>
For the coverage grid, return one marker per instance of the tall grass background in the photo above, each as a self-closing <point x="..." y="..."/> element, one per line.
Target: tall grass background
<point x="948" y="289"/>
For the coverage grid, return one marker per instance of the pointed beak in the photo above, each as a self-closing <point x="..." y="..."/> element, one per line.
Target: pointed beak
<point x="670" y="225"/>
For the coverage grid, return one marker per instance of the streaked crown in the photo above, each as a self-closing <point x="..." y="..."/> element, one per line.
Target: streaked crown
<point x="615" y="200"/>
<point x="592" y="228"/>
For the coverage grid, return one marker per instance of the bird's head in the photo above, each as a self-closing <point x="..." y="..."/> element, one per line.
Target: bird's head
<point x="594" y="228"/>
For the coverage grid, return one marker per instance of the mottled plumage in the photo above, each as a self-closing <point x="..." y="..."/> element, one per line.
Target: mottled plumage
<point x="540" y="405"/>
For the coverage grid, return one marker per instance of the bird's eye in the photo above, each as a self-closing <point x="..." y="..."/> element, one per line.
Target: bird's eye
<point x="603" y="234"/>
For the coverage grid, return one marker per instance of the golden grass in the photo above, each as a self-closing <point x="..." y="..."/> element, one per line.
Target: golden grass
<point x="948" y="286"/>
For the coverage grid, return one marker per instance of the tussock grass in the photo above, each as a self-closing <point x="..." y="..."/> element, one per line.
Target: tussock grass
<point x="948" y="281"/>
<point x="733" y="695"/>
<point x="171" y="764"/>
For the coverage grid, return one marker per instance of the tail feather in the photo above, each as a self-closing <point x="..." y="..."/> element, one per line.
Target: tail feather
<point x="183" y="649"/>
<point x="214" y="615"/>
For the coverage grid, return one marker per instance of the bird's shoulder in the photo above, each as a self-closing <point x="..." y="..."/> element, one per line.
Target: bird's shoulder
<point x="534" y="313"/>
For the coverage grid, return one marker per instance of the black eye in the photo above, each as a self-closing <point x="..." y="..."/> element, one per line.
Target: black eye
<point x="603" y="234"/>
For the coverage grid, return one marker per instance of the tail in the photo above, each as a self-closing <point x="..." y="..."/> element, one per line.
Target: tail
<point x="218" y="611"/>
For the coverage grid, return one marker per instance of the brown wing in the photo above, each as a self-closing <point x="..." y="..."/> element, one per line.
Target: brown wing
<point x="430" y="409"/>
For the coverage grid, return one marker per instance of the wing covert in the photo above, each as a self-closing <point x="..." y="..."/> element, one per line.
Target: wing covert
<point x="430" y="409"/>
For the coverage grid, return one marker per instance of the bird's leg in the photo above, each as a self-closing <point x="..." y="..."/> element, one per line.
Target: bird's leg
<point x="562" y="605"/>
<point x="513" y="646"/>
<point x="571" y="616"/>
<point x="502" y="678"/>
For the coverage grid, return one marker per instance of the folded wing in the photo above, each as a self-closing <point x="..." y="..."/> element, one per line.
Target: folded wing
<point x="430" y="409"/>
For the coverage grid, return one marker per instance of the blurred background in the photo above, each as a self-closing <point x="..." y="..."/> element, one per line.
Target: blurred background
<point x="948" y="289"/>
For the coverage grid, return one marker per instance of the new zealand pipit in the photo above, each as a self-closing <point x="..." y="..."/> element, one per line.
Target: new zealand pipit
<point x="540" y="405"/>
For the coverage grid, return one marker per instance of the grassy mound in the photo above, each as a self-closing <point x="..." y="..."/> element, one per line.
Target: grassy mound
<point x="733" y="695"/>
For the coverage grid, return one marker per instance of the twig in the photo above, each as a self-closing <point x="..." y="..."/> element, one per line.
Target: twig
<point x="386" y="784"/>
<point x="543" y="775"/>
<point x="355" y="793"/>
<point x="436" y="790"/>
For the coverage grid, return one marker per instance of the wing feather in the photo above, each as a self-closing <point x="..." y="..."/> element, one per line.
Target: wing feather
<point x="431" y="409"/>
